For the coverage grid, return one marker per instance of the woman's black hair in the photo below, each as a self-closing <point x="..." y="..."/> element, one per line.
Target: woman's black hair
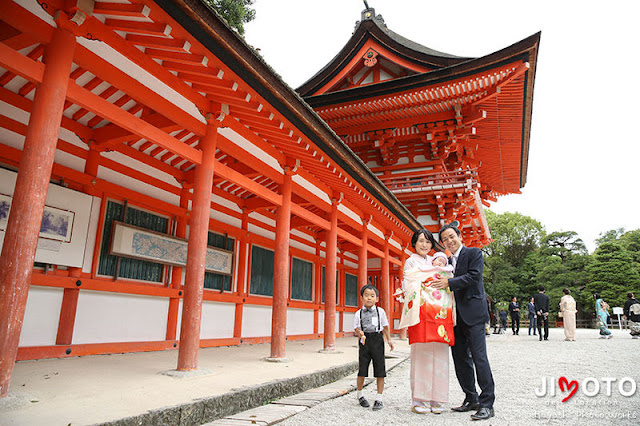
<point x="596" y="296"/>
<point x="566" y="291"/>
<point x="429" y="236"/>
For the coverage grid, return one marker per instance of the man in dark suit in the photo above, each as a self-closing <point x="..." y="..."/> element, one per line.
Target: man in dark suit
<point x="514" y="311"/>
<point x="541" y="302"/>
<point x="471" y="305"/>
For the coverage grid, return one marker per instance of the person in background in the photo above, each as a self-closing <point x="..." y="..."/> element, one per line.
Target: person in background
<point x="568" y="311"/>
<point x="532" y="317"/>
<point x="602" y="313"/>
<point x="541" y="302"/>
<point x="503" y="320"/>
<point x="514" y="312"/>
<point x="631" y="313"/>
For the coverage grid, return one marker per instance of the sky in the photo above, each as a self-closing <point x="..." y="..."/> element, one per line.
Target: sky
<point x="584" y="151"/>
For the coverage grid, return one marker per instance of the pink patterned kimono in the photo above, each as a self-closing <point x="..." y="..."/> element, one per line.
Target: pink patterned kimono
<point x="428" y="314"/>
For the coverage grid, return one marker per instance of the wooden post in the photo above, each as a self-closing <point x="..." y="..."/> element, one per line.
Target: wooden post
<point x="385" y="287"/>
<point x="281" y="271"/>
<point x="330" y="281"/>
<point x="27" y="206"/>
<point x="242" y="276"/>
<point x="197" y="253"/>
<point x="176" y="272"/>
<point x="362" y="258"/>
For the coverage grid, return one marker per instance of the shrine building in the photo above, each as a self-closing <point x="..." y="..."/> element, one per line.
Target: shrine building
<point x="161" y="187"/>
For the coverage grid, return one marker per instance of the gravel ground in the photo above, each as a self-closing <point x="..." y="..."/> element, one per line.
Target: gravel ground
<point x="519" y="365"/>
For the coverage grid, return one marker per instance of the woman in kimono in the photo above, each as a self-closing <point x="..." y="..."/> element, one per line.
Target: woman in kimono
<point x="568" y="309"/>
<point x="602" y="312"/>
<point x="428" y="314"/>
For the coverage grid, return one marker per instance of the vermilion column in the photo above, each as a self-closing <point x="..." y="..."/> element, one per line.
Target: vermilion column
<point x="362" y="258"/>
<point x="330" y="281"/>
<point x="197" y="253"/>
<point x="27" y="206"/>
<point x="176" y="272"/>
<point x="70" y="296"/>
<point x="385" y="285"/>
<point x="403" y="259"/>
<point x="242" y="276"/>
<point x="281" y="272"/>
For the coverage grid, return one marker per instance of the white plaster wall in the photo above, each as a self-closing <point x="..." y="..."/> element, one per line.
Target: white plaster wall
<point x="256" y="321"/>
<point x="111" y="317"/>
<point x="261" y="231"/>
<point x="347" y="321"/>
<point x="321" y="322"/>
<point x="217" y="320"/>
<point x="136" y="185"/>
<point x="374" y="263"/>
<point x="302" y="246"/>
<point x="225" y="218"/>
<point x="299" y="321"/>
<point x="41" y="317"/>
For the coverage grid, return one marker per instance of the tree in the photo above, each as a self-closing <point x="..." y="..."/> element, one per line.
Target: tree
<point x="631" y="243"/>
<point x="235" y="12"/>
<point x="563" y="245"/>
<point x="612" y="273"/>
<point x="609" y="236"/>
<point x="514" y="236"/>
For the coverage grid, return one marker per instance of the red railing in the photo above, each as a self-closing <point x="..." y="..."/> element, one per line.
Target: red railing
<point x="432" y="181"/>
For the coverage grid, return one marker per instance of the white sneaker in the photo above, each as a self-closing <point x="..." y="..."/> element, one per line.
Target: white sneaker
<point x="634" y="337"/>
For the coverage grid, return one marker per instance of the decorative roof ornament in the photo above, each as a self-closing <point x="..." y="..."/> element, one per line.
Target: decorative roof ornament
<point x="369" y="14"/>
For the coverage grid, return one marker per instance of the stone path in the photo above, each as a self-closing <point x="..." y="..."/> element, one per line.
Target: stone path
<point x="519" y="364"/>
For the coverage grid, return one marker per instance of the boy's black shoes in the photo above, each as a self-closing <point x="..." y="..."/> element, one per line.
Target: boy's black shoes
<point x="364" y="403"/>
<point x="377" y="405"/>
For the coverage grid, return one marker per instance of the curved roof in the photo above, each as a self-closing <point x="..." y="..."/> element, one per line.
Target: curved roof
<point x="372" y="27"/>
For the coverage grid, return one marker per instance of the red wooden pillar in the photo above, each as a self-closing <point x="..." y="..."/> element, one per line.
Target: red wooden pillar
<point x="330" y="281"/>
<point x="70" y="296"/>
<point x="34" y="172"/>
<point x="176" y="272"/>
<point x="318" y="288"/>
<point x="403" y="258"/>
<point x="197" y="253"/>
<point x="362" y="258"/>
<point x="241" y="281"/>
<point x="385" y="284"/>
<point x="281" y="271"/>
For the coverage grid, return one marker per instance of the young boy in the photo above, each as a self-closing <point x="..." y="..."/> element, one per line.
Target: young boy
<point x="370" y="324"/>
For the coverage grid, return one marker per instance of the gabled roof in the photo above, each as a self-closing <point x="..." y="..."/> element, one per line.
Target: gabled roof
<point x="372" y="30"/>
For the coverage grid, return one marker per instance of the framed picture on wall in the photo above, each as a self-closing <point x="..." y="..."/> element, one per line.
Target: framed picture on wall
<point x="139" y="243"/>
<point x="57" y="224"/>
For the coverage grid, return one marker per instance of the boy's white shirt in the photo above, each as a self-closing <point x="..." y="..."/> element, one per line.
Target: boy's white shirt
<point x="384" y="321"/>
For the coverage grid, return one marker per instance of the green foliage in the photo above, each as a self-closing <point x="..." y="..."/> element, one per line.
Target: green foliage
<point x="612" y="273"/>
<point x="514" y="236"/>
<point x="609" y="236"/>
<point x="236" y="12"/>
<point x="522" y="257"/>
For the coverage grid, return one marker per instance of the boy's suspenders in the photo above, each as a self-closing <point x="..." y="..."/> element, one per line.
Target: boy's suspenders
<point x="379" y="325"/>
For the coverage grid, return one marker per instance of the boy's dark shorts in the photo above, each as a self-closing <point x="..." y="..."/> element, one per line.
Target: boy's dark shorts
<point x="372" y="350"/>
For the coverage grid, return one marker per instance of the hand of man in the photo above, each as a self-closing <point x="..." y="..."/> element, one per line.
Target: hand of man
<point x="391" y="345"/>
<point x="440" y="284"/>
